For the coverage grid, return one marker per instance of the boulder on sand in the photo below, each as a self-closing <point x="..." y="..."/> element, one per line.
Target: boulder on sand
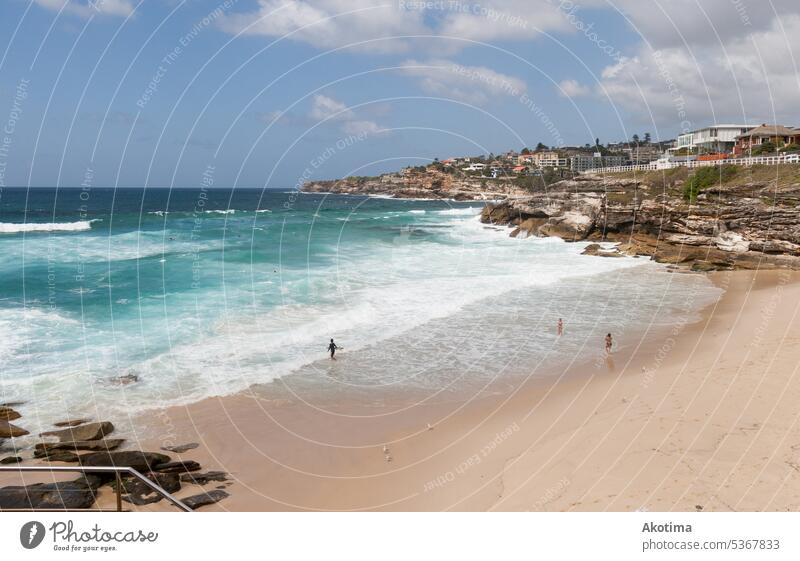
<point x="91" y="431"/>
<point x="8" y="414"/>
<point x="71" y="423"/>
<point x="94" y="445"/>
<point x="56" y="455"/>
<point x="196" y="501"/>
<point x="11" y="460"/>
<point x="178" y="467"/>
<point x="62" y="495"/>
<point x="140" y="461"/>
<point x="181" y="448"/>
<point x="203" y="478"/>
<point x="138" y="492"/>
<point x="7" y="430"/>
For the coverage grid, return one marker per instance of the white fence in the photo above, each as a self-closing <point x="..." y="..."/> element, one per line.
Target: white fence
<point x="658" y="164"/>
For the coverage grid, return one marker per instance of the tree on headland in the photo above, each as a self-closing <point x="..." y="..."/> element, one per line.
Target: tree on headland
<point x="525" y="151"/>
<point x="636" y="139"/>
<point x="540" y="147"/>
<point x="647" y="138"/>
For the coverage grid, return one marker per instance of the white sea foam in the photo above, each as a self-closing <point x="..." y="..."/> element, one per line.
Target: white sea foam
<point x="14" y="228"/>
<point x="465" y="211"/>
<point x="408" y="312"/>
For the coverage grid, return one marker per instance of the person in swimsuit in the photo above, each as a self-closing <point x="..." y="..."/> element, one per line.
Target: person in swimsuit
<point x="560" y="327"/>
<point x="332" y="348"/>
<point x="609" y="343"/>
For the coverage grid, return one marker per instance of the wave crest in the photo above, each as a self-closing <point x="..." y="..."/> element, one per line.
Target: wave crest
<point x="14" y="228"/>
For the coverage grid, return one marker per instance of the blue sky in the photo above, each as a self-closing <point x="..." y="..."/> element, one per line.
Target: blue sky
<point x="268" y="92"/>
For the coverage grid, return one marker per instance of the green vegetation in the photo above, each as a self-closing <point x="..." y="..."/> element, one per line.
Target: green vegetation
<point x="764" y="149"/>
<point x="706" y="177"/>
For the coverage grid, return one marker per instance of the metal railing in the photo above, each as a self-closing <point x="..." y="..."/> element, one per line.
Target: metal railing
<point x="117" y="471"/>
<point x="661" y="165"/>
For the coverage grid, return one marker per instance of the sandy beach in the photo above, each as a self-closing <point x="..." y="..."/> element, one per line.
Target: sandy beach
<point x="701" y="416"/>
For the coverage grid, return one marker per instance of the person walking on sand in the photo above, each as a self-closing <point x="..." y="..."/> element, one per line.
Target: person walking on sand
<point x="560" y="327"/>
<point x="332" y="348"/>
<point x="609" y="343"/>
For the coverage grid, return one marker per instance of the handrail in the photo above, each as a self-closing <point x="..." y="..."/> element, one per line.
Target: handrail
<point x="104" y="469"/>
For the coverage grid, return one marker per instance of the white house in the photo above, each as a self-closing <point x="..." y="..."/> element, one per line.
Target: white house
<point x="719" y="138"/>
<point x="475" y="167"/>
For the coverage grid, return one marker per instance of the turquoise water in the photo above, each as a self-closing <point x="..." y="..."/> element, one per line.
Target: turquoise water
<point x="197" y="293"/>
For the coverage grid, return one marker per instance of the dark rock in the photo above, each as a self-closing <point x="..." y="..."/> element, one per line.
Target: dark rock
<point x="12" y="404"/>
<point x="56" y="455"/>
<point x="94" y="480"/>
<point x="61" y="495"/>
<point x="95" y="445"/>
<point x="196" y="501"/>
<point x="139" y="493"/>
<point x="181" y="448"/>
<point x="203" y="478"/>
<point x="11" y="460"/>
<point x="71" y="423"/>
<point x="91" y="431"/>
<point x="124" y="380"/>
<point x="178" y="467"/>
<point x="140" y="461"/>
<point x="8" y="414"/>
<point x="7" y="430"/>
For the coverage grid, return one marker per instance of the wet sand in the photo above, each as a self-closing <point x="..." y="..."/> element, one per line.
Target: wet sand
<point x="699" y="416"/>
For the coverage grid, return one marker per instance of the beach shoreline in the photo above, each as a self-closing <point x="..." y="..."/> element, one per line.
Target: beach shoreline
<point x="646" y="432"/>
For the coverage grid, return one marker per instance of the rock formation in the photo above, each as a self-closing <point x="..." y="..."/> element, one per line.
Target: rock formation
<point x="743" y="226"/>
<point x="415" y="184"/>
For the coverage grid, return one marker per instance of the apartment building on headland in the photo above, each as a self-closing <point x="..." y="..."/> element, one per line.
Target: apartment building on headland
<point x="548" y="159"/>
<point x="710" y="140"/>
<point x="579" y="164"/>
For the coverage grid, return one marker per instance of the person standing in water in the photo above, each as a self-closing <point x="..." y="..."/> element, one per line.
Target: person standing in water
<point x="609" y="343"/>
<point x="332" y="348"/>
<point x="560" y="327"/>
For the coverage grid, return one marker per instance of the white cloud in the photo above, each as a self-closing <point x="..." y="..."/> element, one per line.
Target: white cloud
<point x="87" y="8"/>
<point x="327" y="23"/>
<point x="362" y="127"/>
<point x="472" y="84"/>
<point x="573" y="88"/>
<point x="672" y="23"/>
<point x="325" y="108"/>
<point x="744" y="79"/>
<point x="330" y="24"/>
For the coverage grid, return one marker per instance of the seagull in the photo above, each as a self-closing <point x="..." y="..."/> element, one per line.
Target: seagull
<point x="430" y="427"/>
<point x="385" y="449"/>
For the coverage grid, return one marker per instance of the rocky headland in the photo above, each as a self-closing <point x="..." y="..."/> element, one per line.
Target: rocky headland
<point x="743" y="218"/>
<point x="750" y="220"/>
<point x="413" y="183"/>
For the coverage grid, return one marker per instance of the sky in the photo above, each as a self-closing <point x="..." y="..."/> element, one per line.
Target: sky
<point x="271" y="93"/>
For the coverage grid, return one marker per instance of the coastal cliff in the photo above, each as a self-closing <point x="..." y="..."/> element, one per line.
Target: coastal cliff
<point x="413" y="183"/>
<point x="741" y="218"/>
<point x="750" y="220"/>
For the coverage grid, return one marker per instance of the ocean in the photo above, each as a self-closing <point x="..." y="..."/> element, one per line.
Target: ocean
<point x="191" y="293"/>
